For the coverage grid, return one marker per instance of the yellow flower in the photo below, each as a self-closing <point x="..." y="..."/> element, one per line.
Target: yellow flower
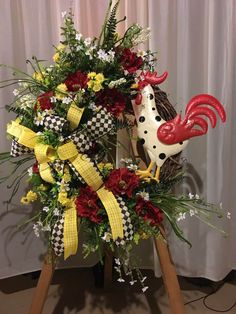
<point x="38" y="76"/>
<point x="42" y="187"/>
<point x="92" y="75"/>
<point x="97" y="87"/>
<point x="61" y="47"/>
<point x="66" y="175"/>
<point x="90" y="84"/>
<point x="99" y="77"/>
<point x="29" y="198"/>
<point x="62" y="198"/>
<point x="134" y="86"/>
<point x="56" y="57"/>
<point x="61" y="91"/>
<point x="106" y="166"/>
<point x="144" y="235"/>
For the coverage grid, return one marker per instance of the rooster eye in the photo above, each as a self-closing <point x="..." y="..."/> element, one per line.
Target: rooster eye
<point x="151" y="96"/>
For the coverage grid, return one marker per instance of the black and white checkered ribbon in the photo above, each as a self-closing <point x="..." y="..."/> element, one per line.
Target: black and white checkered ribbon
<point x="127" y="224"/>
<point x="57" y="238"/>
<point x="18" y="149"/>
<point x="56" y="124"/>
<point x="100" y="124"/>
<point x="82" y="141"/>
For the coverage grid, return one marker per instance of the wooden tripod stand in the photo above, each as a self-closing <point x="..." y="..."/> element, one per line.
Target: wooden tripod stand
<point x="168" y="273"/>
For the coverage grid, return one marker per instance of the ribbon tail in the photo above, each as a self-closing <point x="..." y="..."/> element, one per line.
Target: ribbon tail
<point x="113" y="212"/>
<point x="70" y="232"/>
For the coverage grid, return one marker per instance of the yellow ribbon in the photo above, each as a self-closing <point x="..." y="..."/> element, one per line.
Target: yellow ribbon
<point x="74" y="115"/>
<point x="45" y="173"/>
<point x="44" y="154"/>
<point x="70" y="231"/>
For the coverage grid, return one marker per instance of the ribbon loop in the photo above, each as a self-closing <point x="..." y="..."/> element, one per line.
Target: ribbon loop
<point x="67" y="151"/>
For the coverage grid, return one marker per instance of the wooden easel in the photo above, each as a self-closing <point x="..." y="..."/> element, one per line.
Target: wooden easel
<point x="167" y="267"/>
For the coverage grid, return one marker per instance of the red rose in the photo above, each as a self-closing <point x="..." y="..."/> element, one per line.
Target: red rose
<point x="75" y="81"/>
<point x="130" y="61"/>
<point x="35" y="168"/>
<point x="148" y="211"/>
<point x="122" y="182"/>
<point x="113" y="100"/>
<point x="86" y="204"/>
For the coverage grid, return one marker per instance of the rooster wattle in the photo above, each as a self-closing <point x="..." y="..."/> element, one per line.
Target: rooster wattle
<point x="163" y="139"/>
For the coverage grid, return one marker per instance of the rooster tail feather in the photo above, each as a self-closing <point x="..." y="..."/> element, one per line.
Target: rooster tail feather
<point x="208" y="100"/>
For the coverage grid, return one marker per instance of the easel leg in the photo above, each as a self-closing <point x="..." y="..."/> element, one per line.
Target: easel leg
<point x="169" y="277"/>
<point x="44" y="282"/>
<point x="108" y="267"/>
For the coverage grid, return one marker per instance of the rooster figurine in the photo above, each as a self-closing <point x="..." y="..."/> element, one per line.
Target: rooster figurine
<point x="163" y="139"/>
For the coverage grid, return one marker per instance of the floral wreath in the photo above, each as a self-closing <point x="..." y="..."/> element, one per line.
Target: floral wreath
<point x="68" y="115"/>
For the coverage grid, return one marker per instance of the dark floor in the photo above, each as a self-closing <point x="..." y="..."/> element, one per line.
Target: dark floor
<point x="74" y="291"/>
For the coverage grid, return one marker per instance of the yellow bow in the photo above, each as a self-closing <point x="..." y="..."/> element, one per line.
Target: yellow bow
<point x="44" y="154"/>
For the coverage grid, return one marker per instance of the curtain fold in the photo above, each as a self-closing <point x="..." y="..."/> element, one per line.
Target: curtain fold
<point x="195" y="43"/>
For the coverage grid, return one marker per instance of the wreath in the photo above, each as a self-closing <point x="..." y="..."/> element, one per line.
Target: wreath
<point x="67" y="118"/>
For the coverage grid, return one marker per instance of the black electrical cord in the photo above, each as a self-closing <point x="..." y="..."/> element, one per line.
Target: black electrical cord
<point x="204" y="299"/>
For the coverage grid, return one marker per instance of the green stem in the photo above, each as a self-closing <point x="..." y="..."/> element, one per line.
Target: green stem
<point x="105" y="22"/>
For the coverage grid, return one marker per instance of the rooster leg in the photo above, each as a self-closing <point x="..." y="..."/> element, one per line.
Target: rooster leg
<point x="146" y="173"/>
<point x="157" y="175"/>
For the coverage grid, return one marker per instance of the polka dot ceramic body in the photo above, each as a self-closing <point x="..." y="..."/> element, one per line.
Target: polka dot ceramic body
<point x="148" y="121"/>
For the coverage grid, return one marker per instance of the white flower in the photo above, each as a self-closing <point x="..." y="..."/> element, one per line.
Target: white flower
<point x="190" y="195"/>
<point x="181" y="216"/>
<point x="63" y="14"/>
<point x="191" y="212"/>
<point x="53" y="99"/>
<point x="87" y="41"/>
<point x="48" y="112"/>
<point x="144" y="278"/>
<point x="30" y="171"/>
<point x="36" y="230"/>
<point x="145" y="289"/>
<point x="228" y="215"/>
<point x="66" y="100"/>
<point x="141" y="53"/>
<point x="116" y="83"/>
<point x="107" y="236"/>
<point x="111" y="54"/>
<point x="78" y="48"/>
<point x="78" y="36"/>
<point x="56" y="212"/>
<point x="144" y="195"/>
<point x="102" y="54"/>
<point x="132" y="282"/>
<point x="45" y="209"/>
<point x="92" y="106"/>
<point x="120" y="279"/>
<point x="46" y="228"/>
<point x="39" y="119"/>
<point x="117" y="261"/>
<point x="16" y="92"/>
<point x="132" y="167"/>
<point x="197" y="197"/>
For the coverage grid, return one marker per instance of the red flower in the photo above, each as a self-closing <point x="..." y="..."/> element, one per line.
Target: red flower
<point x="44" y="101"/>
<point x="130" y="61"/>
<point x="86" y="204"/>
<point x="148" y="211"/>
<point x="35" y="168"/>
<point x="113" y="100"/>
<point x="122" y="182"/>
<point x="75" y="81"/>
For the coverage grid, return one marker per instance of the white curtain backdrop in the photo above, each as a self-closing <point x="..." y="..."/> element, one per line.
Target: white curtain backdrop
<point x="195" y="41"/>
